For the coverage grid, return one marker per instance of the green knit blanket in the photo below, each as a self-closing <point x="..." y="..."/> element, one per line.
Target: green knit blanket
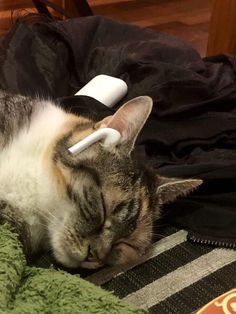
<point x="30" y="290"/>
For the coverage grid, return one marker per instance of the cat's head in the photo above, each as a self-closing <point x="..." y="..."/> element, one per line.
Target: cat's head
<point x="108" y="201"/>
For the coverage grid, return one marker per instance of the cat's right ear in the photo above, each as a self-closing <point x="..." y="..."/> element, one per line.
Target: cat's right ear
<point x="169" y="189"/>
<point x="128" y="120"/>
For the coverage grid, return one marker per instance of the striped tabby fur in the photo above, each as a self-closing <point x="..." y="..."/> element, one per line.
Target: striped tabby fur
<point x="91" y="209"/>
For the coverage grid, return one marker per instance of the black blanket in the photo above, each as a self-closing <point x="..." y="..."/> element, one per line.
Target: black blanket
<point x="192" y="129"/>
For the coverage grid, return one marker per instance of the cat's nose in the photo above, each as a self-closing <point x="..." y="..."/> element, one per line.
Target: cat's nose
<point x="92" y="254"/>
<point x="97" y="254"/>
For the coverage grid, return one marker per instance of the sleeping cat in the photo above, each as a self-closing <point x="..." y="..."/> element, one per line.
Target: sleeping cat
<point x="93" y="208"/>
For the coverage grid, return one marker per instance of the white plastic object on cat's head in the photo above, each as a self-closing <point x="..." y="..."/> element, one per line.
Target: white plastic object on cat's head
<point x="110" y="136"/>
<point x="106" y="89"/>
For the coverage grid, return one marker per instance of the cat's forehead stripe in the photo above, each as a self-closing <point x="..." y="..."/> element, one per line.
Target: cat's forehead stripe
<point x="89" y="171"/>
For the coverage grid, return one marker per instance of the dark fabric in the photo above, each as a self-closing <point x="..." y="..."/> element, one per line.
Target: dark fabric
<point x="74" y="104"/>
<point x="192" y="129"/>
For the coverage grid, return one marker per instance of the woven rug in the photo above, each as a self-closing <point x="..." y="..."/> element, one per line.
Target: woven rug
<point x="176" y="277"/>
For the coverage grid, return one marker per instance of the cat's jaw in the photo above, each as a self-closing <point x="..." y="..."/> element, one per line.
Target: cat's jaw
<point x="38" y="232"/>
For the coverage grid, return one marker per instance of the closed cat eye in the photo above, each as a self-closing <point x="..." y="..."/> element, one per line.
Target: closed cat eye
<point x="119" y="207"/>
<point x="104" y="210"/>
<point x="123" y="205"/>
<point x="99" y="228"/>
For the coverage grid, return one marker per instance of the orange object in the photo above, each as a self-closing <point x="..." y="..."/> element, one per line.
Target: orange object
<point x="224" y="304"/>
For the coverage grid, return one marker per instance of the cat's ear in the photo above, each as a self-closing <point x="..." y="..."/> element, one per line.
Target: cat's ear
<point x="129" y="119"/>
<point x="169" y="189"/>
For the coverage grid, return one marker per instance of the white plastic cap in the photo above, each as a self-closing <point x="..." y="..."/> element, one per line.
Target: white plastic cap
<point x="106" y="89"/>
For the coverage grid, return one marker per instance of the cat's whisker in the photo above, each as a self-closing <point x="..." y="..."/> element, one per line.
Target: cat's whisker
<point x="44" y="215"/>
<point x="52" y="216"/>
<point x="41" y="224"/>
<point x="158" y="235"/>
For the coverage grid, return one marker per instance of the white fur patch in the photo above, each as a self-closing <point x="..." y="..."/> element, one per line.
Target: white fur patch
<point x="22" y="178"/>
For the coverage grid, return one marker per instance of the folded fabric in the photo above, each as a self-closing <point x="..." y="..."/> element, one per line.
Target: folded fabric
<point x="25" y="289"/>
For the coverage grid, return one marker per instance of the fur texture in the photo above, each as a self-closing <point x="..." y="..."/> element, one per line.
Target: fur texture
<point x="94" y="208"/>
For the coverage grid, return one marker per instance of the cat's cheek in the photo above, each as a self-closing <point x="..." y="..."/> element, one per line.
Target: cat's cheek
<point x="64" y="259"/>
<point x="59" y="250"/>
<point x="122" y="254"/>
<point x="67" y="256"/>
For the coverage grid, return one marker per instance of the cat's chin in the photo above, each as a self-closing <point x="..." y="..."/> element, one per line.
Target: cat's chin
<point x="91" y="265"/>
<point x="67" y="258"/>
<point x="69" y="262"/>
<point x="66" y="261"/>
<point x="72" y="261"/>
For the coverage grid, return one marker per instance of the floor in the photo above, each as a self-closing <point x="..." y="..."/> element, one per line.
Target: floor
<point x="187" y="19"/>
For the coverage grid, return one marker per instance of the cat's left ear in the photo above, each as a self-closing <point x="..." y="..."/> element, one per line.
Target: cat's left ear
<point x="169" y="189"/>
<point x="129" y="120"/>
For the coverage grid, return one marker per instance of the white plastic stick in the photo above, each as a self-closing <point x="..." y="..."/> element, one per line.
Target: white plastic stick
<point x="110" y="136"/>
